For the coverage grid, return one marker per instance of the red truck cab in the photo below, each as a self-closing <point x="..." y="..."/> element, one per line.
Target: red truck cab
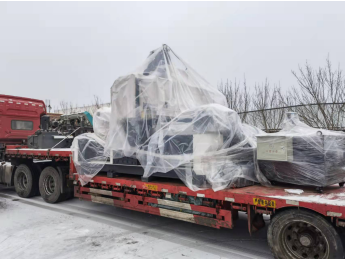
<point x="19" y="118"/>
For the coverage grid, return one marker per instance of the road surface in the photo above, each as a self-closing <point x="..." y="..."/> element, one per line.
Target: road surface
<point x="31" y="228"/>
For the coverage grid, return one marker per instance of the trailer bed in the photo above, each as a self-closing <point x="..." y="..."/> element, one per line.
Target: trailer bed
<point x="129" y="191"/>
<point x="329" y="203"/>
<point x="304" y="222"/>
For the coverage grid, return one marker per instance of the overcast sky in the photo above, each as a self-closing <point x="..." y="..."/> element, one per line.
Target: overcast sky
<point x="73" y="50"/>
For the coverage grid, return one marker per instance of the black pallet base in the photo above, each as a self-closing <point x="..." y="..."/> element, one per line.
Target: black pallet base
<point x="144" y="179"/>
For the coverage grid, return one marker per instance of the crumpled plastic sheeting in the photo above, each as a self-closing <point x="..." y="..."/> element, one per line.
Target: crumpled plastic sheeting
<point x="101" y="122"/>
<point x="88" y="148"/>
<point x="88" y="156"/>
<point x="147" y="99"/>
<point x="302" y="155"/>
<point x="208" y="147"/>
<point x="169" y="118"/>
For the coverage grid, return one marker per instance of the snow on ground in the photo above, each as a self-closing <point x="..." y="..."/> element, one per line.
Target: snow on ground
<point x="337" y="199"/>
<point x="294" y="191"/>
<point x="29" y="232"/>
<point x="31" y="228"/>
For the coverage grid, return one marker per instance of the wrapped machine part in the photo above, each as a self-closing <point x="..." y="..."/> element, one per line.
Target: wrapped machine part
<point x="302" y="155"/>
<point x="169" y="119"/>
<point x="101" y="122"/>
<point x="88" y="148"/>
<point x="147" y="99"/>
<point x="206" y="146"/>
<point x="88" y="156"/>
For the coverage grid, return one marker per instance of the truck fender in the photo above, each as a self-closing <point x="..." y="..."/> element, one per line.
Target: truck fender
<point x="62" y="179"/>
<point x="7" y="173"/>
<point x="64" y="184"/>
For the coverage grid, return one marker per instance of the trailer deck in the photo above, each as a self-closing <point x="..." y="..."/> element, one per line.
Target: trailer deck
<point x="171" y="198"/>
<point x="304" y="223"/>
<point x="24" y="152"/>
<point x="174" y="199"/>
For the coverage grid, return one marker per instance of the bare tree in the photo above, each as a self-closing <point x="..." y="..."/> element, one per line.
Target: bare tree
<point x="319" y="99"/>
<point x="264" y="98"/>
<point x="69" y="108"/>
<point x="325" y="88"/>
<point x="64" y="107"/>
<point x="238" y="98"/>
<point x="252" y="106"/>
<point x="96" y="104"/>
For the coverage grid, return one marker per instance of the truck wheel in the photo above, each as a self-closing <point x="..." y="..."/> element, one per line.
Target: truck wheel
<point x="25" y="182"/>
<point x="303" y="234"/>
<point x="50" y="184"/>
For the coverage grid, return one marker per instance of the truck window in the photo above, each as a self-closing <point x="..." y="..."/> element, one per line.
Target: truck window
<point x="21" y="125"/>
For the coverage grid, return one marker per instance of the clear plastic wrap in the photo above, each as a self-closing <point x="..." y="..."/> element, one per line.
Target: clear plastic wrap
<point x="170" y="119"/>
<point x="88" y="148"/>
<point x="145" y="100"/>
<point x="206" y="146"/>
<point x="88" y="156"/>
<point x="302" y="155"/>
<point x="101" y="122"/>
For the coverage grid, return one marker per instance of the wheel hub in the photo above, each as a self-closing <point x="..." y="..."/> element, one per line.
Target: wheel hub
<point x="49" y="185"/>
<point x="303" y="240"/>
<point x="23" y="180"/>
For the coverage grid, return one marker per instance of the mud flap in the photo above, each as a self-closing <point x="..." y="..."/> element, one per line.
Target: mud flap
<point x="66" y="184"/>
<point x="255" y="220"/>
<point x="6" y="174"/>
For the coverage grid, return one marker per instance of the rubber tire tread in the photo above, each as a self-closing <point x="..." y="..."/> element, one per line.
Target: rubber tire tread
<point x="56" y="196"/>
<point x="280" y="220"/>
<point x="32" y="186"/>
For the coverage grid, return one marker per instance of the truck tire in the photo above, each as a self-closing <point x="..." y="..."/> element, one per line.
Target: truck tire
<point x="50" y="184"/>
<point x="300" y="233"/>
<point x="25" y="181"/>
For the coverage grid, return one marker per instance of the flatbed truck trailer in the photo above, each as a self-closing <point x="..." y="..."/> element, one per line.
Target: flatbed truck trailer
<point x="304" y="223"/>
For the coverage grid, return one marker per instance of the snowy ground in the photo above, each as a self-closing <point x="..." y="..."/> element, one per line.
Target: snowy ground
<point x="31" y="228"/>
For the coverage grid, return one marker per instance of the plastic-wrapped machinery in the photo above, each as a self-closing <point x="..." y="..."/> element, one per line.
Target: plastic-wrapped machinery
<point x="101" y="122"/>
<point x="147" y="99"/>
<point x="207" y="146"/>
<point x="88" y="148"/>
<point x="302" y="155"/>
<point x="169" y="118"/>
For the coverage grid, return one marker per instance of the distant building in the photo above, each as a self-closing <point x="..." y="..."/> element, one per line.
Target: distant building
<point x="66" y="109"/>
<point x="54" y="116"/>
